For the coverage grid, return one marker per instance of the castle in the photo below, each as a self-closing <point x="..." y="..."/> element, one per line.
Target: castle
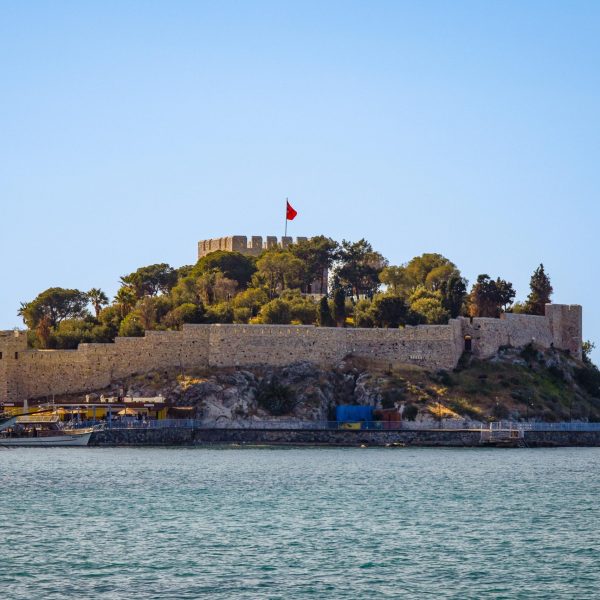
<point x="29" y="374"/>
<point x="255" y="247"/>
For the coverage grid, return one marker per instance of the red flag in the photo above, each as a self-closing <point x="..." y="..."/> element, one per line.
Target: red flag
<point x="290" y="213"/>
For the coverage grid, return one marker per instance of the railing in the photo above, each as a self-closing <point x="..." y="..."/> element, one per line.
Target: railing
<point x="444" y="424"/>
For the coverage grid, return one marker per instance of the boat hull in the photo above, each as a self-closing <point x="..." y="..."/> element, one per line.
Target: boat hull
<point x="48" y="441"/>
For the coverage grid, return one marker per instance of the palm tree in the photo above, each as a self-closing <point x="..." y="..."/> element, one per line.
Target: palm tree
<point x="125" y="300"/>
<point x="97" y="299"/>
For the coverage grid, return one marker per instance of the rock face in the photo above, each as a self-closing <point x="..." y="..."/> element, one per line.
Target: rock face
<point x="300" y="391"/>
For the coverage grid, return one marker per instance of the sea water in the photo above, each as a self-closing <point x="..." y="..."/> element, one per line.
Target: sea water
<point x="299" y="523"/>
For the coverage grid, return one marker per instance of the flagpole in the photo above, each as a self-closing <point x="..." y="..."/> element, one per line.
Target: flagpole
<point x="286" y="203"/>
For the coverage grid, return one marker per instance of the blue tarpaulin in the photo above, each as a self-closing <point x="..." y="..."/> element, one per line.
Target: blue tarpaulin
<point x="348" y="413"/>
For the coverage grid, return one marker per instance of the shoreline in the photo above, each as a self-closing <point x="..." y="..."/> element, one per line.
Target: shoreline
<point x="450" y="438"/>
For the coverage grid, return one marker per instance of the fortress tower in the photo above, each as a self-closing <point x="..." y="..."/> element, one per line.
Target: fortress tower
<point x="255" y="246"/>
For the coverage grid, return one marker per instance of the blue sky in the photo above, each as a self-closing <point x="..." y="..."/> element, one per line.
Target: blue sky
<point x="130" y="130"/>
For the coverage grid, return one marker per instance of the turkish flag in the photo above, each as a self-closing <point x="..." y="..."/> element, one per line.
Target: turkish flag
<point x="290" y="213"/>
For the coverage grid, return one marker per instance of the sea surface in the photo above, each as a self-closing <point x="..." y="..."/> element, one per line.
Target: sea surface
<point x="231" y="523"/>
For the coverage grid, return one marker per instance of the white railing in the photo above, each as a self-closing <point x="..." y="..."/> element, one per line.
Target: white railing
<point x="444" y="424"/>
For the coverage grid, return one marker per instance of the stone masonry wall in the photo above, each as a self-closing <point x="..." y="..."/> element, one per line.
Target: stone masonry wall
<point x="26" y="373"/>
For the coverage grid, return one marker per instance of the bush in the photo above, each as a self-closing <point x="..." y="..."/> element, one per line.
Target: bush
<point x="131" y="326"/>
<point x="589" y="379"/>
<point x="410" y="412"/>
<point x="390" y="398"/>
<point x="275" y="398"/>
<point x="219" y="313"/>
<point x="276" y="312"/>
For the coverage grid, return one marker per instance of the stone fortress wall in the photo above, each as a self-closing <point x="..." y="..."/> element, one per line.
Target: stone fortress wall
<point x="28" y="374"/>
<point x="240" y="243"/>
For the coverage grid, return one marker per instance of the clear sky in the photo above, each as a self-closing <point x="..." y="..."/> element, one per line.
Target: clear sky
<point x="130" y="130"/>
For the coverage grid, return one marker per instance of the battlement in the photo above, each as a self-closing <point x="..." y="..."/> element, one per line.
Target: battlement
<point x="252" y="246"/>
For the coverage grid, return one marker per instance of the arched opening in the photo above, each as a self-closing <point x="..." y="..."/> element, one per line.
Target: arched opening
<point x="468" y="343"/>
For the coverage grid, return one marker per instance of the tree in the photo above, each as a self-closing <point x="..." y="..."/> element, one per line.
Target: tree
<point x="186" y="291"/>
<point x="317" y="254"/>
<point x="541" y="291"/>
<point x="56" y="304"/>
<point x="454" y="292"/>
<point x="431" y="309"/>
<point x="280" y="270"/>
<point x="97" y="299"/>
<point x="324" y="318"/>
<point x="359" y="268"/>
<point x="489" y="297"/>
<point x="131" y="326"/>
<point x="430" y="270"/>
<point x="125" y="299"/>
<point x="151" y="280"/>
<point x="586" y="350"/>
<point x="339" y="307"/>
<point x="276" y="312"/>
<point x="395" y="278"/>
<point x="252" y="299"/>
<point x="388" y="310"/>
<point x="184" y="313"/>
<point x="213" y="287"/>
<point x="233" y="265"/>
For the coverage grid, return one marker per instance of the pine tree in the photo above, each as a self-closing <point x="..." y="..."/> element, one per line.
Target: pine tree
<point x="541" y="291"/>
<point x="324" y="318"/>
<point x="339" y="307"/>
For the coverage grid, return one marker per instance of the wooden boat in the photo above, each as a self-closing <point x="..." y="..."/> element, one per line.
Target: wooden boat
<point x="43" y="430"/>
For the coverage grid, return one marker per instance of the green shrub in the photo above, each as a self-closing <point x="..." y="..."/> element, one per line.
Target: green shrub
<point x="276" y="398"/>
<point x="410" y="412"/>
<point x="589" y="379"/>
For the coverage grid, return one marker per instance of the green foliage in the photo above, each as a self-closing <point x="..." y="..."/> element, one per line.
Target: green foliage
<point x="233" y="265"/>
<point x="396" y="279"/>
<point x="151" y="280"/>
<point x="275" y="398"/>
<point x="276" y="312"/>
<point x="586" y="349"/>
<point x="489" y="297"/>
<point x="186" y="291"/>
<point x="410" y="412"/>
<point x="242" y="315"/>
<point x="362" y="314"/>
<point x="97" y="299"/>
<point x="55" y="305"/>
<point x="72" y="332"/>
<point x="213" y="286"/>
<point x="303" y="309"/>
<point x="359" y="267"/>
<point x="220" y="313"/>
<point x="429" y="305"/>
<point x="339" y="307"/>
<point x="324" y="318"/>
<point x="317" y="254"/>
<point x="279" y="270"/>
<point x="131" y="326"/>
<point x="252" y="299"/>
<point x="184" y="313"/>
<point x="454" y="293"/>
<point x="588" y="377"/>
<point x="387" y="310"/>
<point x="541" y="292"/>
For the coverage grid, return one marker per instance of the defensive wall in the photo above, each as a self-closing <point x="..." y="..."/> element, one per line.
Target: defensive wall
<point x="27" y="373"/>
<point x="240" y="243"/>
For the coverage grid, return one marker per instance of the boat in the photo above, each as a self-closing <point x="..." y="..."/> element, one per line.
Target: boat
<point x="43" y="430"/>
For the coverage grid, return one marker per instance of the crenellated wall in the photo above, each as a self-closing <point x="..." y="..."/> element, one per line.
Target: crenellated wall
<point x="240" y="243"/>
<point x="26" y="373"/>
